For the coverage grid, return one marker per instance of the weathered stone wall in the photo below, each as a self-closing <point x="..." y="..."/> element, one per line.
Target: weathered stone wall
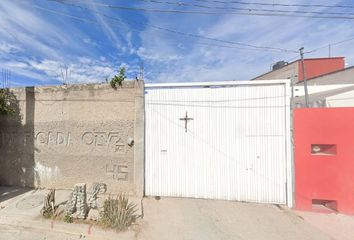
<point x="64" y="135"/>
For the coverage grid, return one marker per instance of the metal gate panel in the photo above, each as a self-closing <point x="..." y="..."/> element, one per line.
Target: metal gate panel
<point x="235" y="148"/>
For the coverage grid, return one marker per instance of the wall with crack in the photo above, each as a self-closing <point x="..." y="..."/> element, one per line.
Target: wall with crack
<point x="70" y="134"/>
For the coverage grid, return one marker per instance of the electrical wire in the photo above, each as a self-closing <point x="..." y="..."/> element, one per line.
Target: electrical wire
<point x="232" y="47"/>
<point x="186" y="34"/>
<point x="291" y="59"/>
<point x="250" y="46"/>
<point x="340" y="42"/>
<point x="184" y="4"/>
<point x="278" y="4"/>
<point x="331" y="44"/>
<point x="191" y="35"/>
<point x="166" y="11"/>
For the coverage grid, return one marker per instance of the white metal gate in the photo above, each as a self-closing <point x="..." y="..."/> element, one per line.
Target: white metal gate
<point x="228" y="140"/>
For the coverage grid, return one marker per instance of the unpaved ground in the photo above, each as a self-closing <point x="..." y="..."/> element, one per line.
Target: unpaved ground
<point x="173" y="218"/>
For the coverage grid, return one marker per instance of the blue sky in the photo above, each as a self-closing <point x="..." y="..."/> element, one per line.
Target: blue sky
<point x="42" y="40"/>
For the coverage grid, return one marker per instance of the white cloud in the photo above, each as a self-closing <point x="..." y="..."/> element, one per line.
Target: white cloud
<point x="84" y="70"/>
<point x="9" y="48"/>
<point x="107" y="28"/>
<point x="80" y="71"/>
<point x="157" y="56"/>
<point x="31" y="31"/>
<point x="89" y="41"/>
<point x="195" y="62"/>
<point x="45" y="46"/>
<point x="41" y="45"/>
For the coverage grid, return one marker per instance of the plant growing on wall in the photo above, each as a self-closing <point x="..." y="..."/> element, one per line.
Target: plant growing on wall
<point x="5" y="102"/>
<point x="118" y="79"/>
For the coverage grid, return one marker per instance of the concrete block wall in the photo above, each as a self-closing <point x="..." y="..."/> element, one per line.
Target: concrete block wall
<point x="70" y="134"/>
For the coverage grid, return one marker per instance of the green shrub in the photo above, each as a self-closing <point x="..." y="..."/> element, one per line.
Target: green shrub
<point x="48" y="215"/>
<point x="68" y="218"/>
<point x="118" y="213"/>
<point x="6" y="98"/>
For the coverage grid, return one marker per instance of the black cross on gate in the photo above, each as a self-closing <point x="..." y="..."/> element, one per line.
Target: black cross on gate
<point x="186" y="119"/>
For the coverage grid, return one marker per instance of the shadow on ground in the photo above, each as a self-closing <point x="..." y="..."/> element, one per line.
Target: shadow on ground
<point x="7" y="193"/>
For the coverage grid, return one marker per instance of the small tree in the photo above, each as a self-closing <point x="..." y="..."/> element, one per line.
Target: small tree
<point x="5" y="104"/>
<point x="118" y="79"/>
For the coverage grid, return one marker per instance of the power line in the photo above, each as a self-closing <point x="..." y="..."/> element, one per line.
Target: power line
<point x="331" y="44"/>
<point x="343" y="41"/>
<point x="278" y="4"/>
<point x="250" y="46"/>
<point x="324" y="46"/>
<point x="274" y="13"/>
<point x="184" y="4"/>
<point x="291" y="59"/>
<point x="186" y="34"/>
<point x="235" y="47"/>
<point x="207" y="44"/>
<point x="65" y="14"/>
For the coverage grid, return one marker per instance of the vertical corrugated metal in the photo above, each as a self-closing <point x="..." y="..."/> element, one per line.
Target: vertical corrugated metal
<point x="234" y="148"/>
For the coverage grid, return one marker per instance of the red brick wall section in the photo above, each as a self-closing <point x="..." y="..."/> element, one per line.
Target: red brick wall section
<point x="320" y="66"/>
<point x="324" y="158"/>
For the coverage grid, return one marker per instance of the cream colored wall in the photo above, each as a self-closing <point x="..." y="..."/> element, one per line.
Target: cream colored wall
<point x="73" y="134"/>
<point x="341" y="77"/>
<point x="345" y="99"/>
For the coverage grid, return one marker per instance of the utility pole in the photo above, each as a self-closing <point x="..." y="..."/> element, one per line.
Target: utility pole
<point x="329" y="50"/>
<point x="304" y="77"/>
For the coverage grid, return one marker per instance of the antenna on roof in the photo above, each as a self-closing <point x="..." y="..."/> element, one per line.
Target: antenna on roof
<point x="65" y="75"/>
<point x="141" y="73"/>
<point x="6" y="78"/>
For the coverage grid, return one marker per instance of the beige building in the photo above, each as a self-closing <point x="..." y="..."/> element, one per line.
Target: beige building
<point x="283" y="70"/>
<point x="314" y="67"/>
<point x="329" y="83"/>
<point x="344" y="76"/>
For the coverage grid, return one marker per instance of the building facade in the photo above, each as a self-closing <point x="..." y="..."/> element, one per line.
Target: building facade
<point x="314" y="67"/>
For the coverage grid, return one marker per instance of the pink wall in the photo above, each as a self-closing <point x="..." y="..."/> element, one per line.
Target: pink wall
<point x="319" y="66"/>
<point x="325" y="172"/>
